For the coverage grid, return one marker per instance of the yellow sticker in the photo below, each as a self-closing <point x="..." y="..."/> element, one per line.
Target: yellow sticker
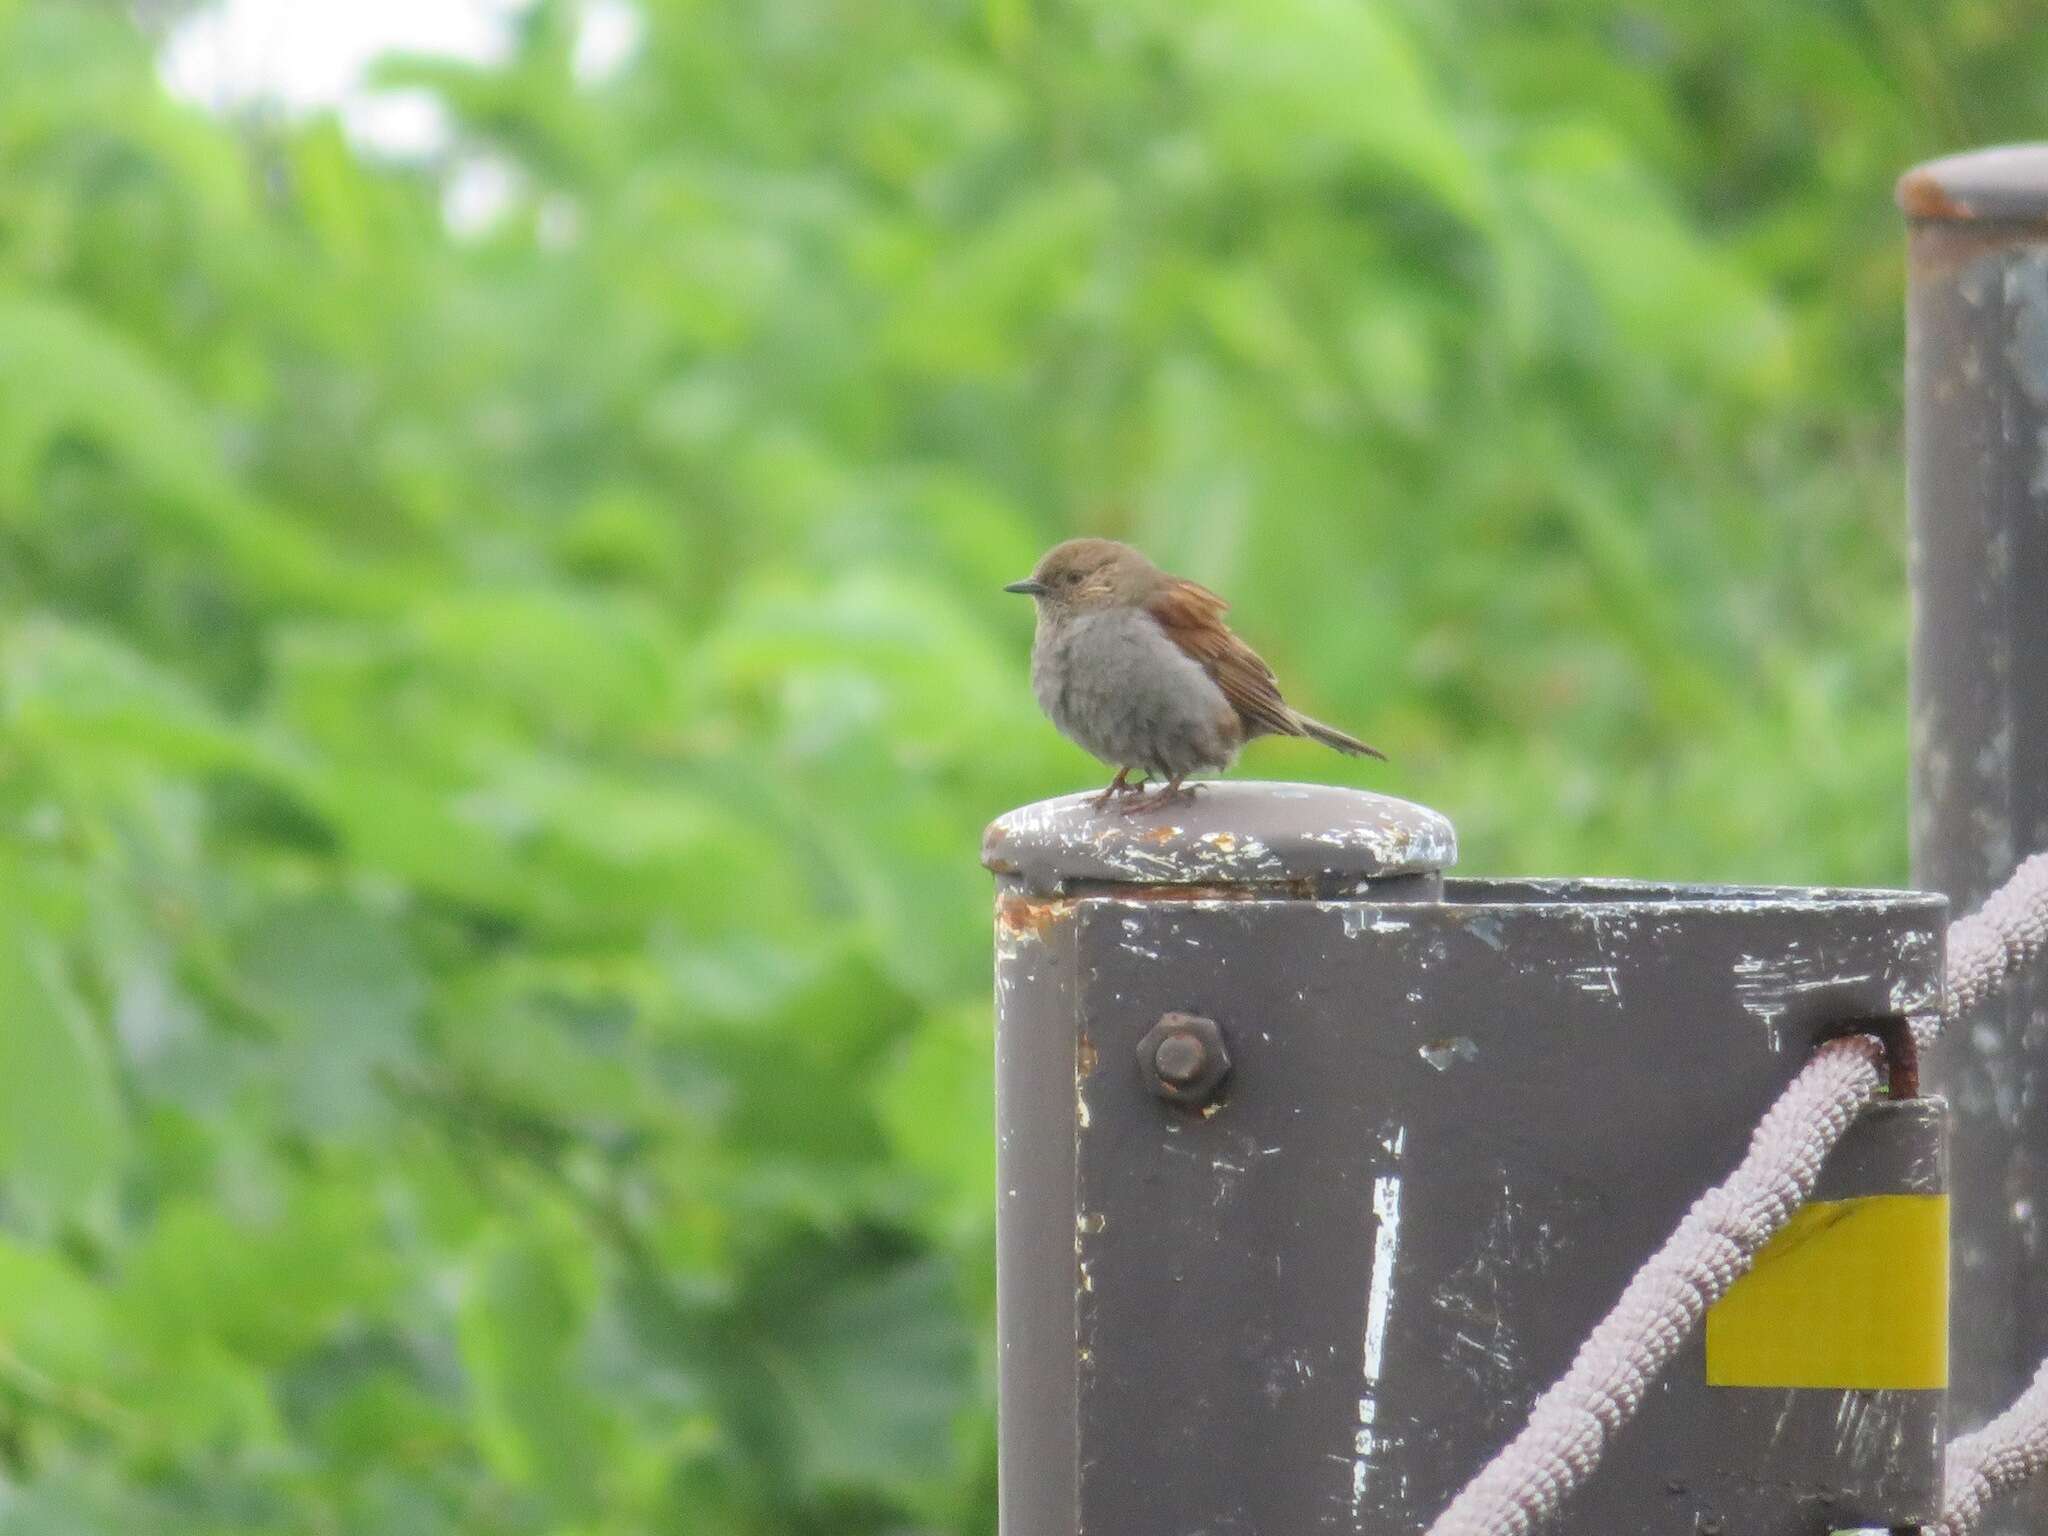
<point x="1852" y="1295"/>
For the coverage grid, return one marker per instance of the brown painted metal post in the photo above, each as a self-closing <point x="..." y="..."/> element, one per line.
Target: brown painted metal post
<point x="1977" y="479"/>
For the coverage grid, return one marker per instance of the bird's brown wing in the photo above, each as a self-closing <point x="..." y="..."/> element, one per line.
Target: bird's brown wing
<point x="1192" y="617"/>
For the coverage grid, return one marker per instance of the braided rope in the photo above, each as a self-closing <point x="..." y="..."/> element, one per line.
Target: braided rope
<point x="1572" y="1423"/>
<point x="2003" y="1454"/>
<point x="2005" y="934"/>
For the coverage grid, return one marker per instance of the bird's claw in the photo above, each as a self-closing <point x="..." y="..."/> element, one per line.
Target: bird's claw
<point x="1117" y="786"/>
<point x="1157" y="800"/>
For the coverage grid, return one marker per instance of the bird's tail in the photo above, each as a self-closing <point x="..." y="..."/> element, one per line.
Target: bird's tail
<point x="1330" y="736"/>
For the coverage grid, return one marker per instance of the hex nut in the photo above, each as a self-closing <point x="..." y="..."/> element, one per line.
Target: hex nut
<point x="1184" y="1059"/>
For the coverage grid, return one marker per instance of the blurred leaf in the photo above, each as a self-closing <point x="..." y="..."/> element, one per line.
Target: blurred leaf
<point x="871" y="1375"/>
<point x="52" y="1320"/>
<point x="519" y="1326"/>
<point x="260" y="1288"/>
<point x="1305" y="85"/>
<point x="345" y="982"/>
<point x="60" y="1120"/>
<point x="94" y="696"/>
<point x="62" y="374"/>
<point x="937" y="1107"/>
<point x="1666" y="291"/>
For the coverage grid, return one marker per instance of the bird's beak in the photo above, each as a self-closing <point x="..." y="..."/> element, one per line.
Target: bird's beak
<point x="1028" y="587"/>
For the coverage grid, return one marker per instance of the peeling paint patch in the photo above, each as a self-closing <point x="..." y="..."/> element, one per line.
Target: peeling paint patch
<point x="1445" y="1054"/>
<point x="1600" y="980"/>
<point x="1240" y="833"/>
<point x="1372" y="1437"/>
<point x="1359" y="921"/>
<point x="1486" y="928"/>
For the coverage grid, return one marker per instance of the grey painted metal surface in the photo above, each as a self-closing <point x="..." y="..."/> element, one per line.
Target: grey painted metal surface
<point x="1977" y="479"/>
<point x="1278" y="839"/>
<point x="1458" y="1117"/>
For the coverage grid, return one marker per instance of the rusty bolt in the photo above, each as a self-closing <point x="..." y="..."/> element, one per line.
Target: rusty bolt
<point x="1184" y="1059"/>
<point x="1180" y="1058"/>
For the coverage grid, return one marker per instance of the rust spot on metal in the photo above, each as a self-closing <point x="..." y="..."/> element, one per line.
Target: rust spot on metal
<point x="1084" y="1057"/>
<point x="2006" y="184"/>
<point x="1302" y="889"/>
<point x="1922" y="196"/>
<point x="1131" y="890"/>
<point x="1185" y="1058"/>
<point x="1021" y="917"/>
<point x="1180" y="1059"/>
<point x="1901" y="1051"/>
<point x="1901" y="1057"/>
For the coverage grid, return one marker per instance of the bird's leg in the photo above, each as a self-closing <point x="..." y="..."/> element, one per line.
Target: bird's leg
<point x="1120" y="785"/>
<point x="1172" y="790"/>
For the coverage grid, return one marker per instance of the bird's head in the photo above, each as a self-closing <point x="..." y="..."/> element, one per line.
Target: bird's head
<point x="1083" y="575"/>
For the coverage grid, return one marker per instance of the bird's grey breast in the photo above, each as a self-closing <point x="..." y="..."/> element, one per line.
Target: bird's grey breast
<point x="1115" y="683"/>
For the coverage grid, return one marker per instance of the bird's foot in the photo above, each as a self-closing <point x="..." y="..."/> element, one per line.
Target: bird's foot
<point x="1120" y="785"/>
<point x="1173" y="792"/>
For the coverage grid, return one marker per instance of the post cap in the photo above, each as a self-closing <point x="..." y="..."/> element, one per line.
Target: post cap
<point x="2008" y="183"/>
<point x="1237" y="832"/>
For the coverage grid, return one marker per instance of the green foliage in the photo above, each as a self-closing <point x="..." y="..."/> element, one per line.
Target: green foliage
<point x="496" y="723"/>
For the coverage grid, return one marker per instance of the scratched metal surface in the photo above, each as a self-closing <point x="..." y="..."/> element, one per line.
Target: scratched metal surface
<point x="1453" y="1131"/>
<point x="1258" y="843"/>
<point x="1037" y="999"/>
<point x="1259" y="838"/>
<point x="1977" y="481"/>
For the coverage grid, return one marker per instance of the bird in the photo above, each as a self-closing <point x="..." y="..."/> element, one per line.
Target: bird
<point x="1138" y="667"/>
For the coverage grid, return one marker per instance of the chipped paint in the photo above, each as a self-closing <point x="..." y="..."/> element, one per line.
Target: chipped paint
<point x="1233" y="834"/>
<point x="1447" y="1053"/>
<point x="1372" y="1437"/>
<point x="1263" y="1285"/>
<point x="1602" y="981"/>
<point x="1978" y="484"/>
<point x="1922" y="196"/>
<point x="1197" y="895"/>
<point x="1085" y="1059"/>
<point x="1486" y="928"/>
<point x="1020" y="919"/>
<point x="1361" y="920"/>
<point x="1475" y="1301"/>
